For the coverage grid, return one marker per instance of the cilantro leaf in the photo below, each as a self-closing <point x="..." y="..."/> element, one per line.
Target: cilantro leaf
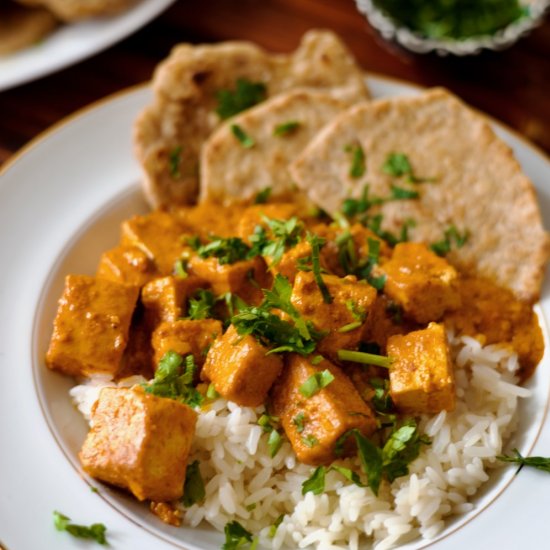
<point x="95" y="531"/>
<point x="274" y="443"/>
<point x="299" y="421"/>
<point x="316" y="482"/>
<point x="310" y="441"/>
<point x="397" y="164"/>
<point x="358" y="168"/>
<point x="451" y="236"/>
<point x="226" y="250"/>
<point x="399" y="193"/>
<point x="315" y="383"/>
<point x="263" y="196"/>
<point x="201" y="305"/>
<point x="538" y="462"/>
<point x="365" y="358"/>
<point x="236" y="536"/>
<point x="350" y="475"/>
<point x="316" y="243"/>
<point x="273" y="528"/>
<point x="174" y="162"/>
<point x="193" y="489"/>
<point x="286" y="128"/>
<point x="246" y="141"/>
<point x="174" y="379"/>
<point x="246" y="95"/>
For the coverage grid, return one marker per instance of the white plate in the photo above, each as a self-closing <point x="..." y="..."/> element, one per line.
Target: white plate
<point x="60" y="203"/>
<point x="71" y="43"/>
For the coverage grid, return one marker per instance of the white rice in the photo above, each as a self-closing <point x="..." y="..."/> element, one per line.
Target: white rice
<point x="243" y="483"/>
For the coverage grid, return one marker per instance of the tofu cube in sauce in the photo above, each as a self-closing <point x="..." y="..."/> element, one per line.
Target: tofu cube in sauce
<point x="421" y="375"/>
<point x="140" y="442"/>
<point x="314" y="423"/>
<point x="126" y="264"/>
<point x="240" y="369"/>
<point x="91" y="326"/>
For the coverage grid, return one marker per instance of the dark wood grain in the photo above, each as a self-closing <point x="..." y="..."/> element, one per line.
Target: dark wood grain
<point x="513" y="86"/>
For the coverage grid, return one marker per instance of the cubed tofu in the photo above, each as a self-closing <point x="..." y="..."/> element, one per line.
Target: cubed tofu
<point x="91" y="326"/>
<point x="186" y="337"/>
<point x="421" y="375"/>
<point x="421" y="282"/>
<point x="314" y="424"/>
<point x="205" y="221"/>
<point x="158" y="234"/>
<point x="165" y="298"/>
<point x="245" y="278"/>
<point x="140" y="442"/>
<point x="254" y="216"/>
<point x="126" y="264"/>
<point x="343" y="318"/>
<point x="240" y="370"/>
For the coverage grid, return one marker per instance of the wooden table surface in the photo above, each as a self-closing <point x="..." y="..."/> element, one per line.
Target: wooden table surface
<point x="513" y="86"/>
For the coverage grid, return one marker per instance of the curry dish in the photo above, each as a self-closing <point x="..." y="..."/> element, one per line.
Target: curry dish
<point x="338" y="330"/>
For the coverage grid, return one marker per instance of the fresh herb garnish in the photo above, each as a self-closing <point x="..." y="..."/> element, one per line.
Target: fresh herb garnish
<point x="236" y="536"/>
<point x="273" y="528"/>
<point x="95" y="531"/>
<point x="398" y="164"/>
<point x="299" y="421"/>
<point x="393" y="459"/>
<point x="315" y="383"/>
<point x="285" y="234"/>
<point x="374" y="223"/>
<point x="399" y="193"/>
<point x="316" y="360"/>
<point x="211" y="392"/>
<point x="226" y="250"/>
<point x="452" y="236"/>
<point x="201" y="305"/>
<point x="310" y="441"/>
<point x="246" y="95"/>
<point x="316" y="243"/>
<point x="246" y="141"/>
<point x="193" y="489"/>
<point x="174" y="162"/>
<point x="357" y="169"/>
<point x="263" y="196"/>
<point x="365" y="358"/>
<point x="381" y="400"/>
<point x="174" y="379"/>
<point x="180" y="269"/>
<point x="316" y="482"/>
<point x="270" y="425"/>
<point x="538" y="462"/>
<point x="286" y="128"/>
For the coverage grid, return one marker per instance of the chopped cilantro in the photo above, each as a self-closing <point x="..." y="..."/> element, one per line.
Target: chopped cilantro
<point x="268" y="422"/>
<point x="236" y="536"/>
<point x="174" y="162"/>
<point x="95" y="531"/>
<point x="399" y="193"/>
<point x="316" y="482"/>
<point x="350" y="475"/>
<point x="286" y="128"/>
<point x="211" y="392"/>
<point x="273" y="528"/>
<point x="317" y="359"/>
<point x="315" y="383"/>
<point x="310" y="441"/>
<point x="201" y="305"/>
<point x="180" y="269"/>
<point x="365" y="358"/>
<point x="251" y="507"/>
<point x="246" y="141"/>
<point x="316" y="243"/>
<point x="357" y="169"/>
<point x="452" y="236"/>
<point x="350" y="326"/>
<point x="227" y="250"/>
<point x="299" y="421"/>
<point x="246" y="94"/>
<point x="174" y="379"/>
<point x="193" y="489"/>
<point x="263" y="196"/>
<point x="538" y="462"/>
<point x="285" y="234"/>
<point x="274" y="443"/>
<point x="397" y="164"/>
<point x="381" y="400"/>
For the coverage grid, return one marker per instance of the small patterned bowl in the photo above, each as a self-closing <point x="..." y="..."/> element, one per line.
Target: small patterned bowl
<point x="411" y="40"/>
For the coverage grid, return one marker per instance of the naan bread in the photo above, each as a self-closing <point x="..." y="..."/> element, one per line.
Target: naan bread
<point x="173" y="129"/>
<point x="479" y="185"/>
<point x="73" y="10"/>
<point x="21" y="26"/>
<point x="230" y="171"/>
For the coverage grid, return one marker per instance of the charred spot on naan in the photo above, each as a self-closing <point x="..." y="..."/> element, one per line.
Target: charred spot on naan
<point x="187" y="90"/>
<point x="474" y="183"/>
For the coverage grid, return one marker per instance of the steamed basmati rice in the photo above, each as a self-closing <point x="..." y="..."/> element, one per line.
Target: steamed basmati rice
<point x="243" y="483"/>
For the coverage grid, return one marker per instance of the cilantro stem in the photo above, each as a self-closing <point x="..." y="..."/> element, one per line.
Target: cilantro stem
<point x="365" y="358"/>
